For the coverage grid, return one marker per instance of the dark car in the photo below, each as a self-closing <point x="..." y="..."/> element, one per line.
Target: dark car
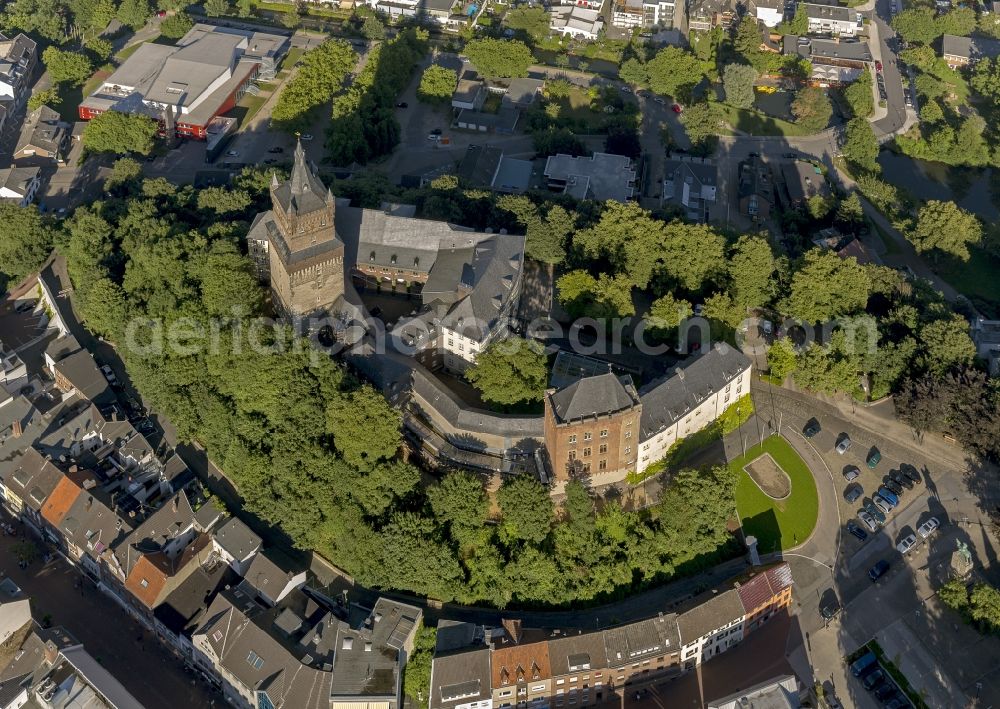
<point x="911" y="473"/>
<point x="875" y="512"/>
<point x="878" y="571"/>
<point x="901" y="479"/>
<point x="873" y="679"/>
<point x="892" y="485"/>
<point x="854" y="529"/>
<point x="852" y="493"/>
<point x="811" y="429"/>
<point x="884" y="691"/>
<point x="874" y="456"/>
<point x="276" y="150"/>
<point x="897" y="701"/>
<point x="402" y="104"/>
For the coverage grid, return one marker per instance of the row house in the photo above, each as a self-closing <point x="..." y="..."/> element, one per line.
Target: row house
<point x="479" y="668"/>
<point x="18" y="57"/>
<point x="646" y="14"/>
<point x="834" y="20"/>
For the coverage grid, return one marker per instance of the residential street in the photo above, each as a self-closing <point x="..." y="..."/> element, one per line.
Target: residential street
<point x="136" y="658"/>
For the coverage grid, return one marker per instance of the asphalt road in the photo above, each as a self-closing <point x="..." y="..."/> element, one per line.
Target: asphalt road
<point x="895" y="104"/>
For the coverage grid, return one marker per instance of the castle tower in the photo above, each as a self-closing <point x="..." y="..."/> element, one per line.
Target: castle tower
<point x="306" y="257"/>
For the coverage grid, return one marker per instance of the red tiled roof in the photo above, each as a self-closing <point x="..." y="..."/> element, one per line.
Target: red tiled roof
<point x="755" y="593"/>
<point x="780" y="577"/>
<point x="61" y="499"/>
<point x="146" y="581"/>
<point x="521" y="663"/>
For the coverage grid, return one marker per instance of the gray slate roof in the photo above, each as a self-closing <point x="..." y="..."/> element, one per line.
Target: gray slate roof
<point x="266" y="576"/>
<point x="173" y="519"/>
<point x="972" y="48"/>
<point x="829" y="12"/>
<point x="479" y="165"/>
<point x="237" y="539"/>
<point x="18" y="179"/>
<point x="666" y="400"/>
<point x="82" y="372"/>
<point x="304" y="192"/>
<point x="577" y="652"/>
<point x="33" y="479"/>
<point x="646" y="638"/>
<point x="709" y="615"/>
<point x="44" y="130"/>
<point x="461" y="678"/>
<point x="594" y="396"/>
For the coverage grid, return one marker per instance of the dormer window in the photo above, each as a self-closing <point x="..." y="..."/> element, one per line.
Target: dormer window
<point x="371" y="256"/>
<point x="416" y="261"/>
<point x="392" y="259"/>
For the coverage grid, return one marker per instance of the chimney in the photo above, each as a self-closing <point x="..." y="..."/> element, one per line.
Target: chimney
<point x="51" y="653"/>
<point x="175" y="503"/>
<point x="16" y="428"/>
<point x="90" y="501"/>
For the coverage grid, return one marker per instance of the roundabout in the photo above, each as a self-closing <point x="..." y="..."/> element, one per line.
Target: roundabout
<point x="776" y="497"/>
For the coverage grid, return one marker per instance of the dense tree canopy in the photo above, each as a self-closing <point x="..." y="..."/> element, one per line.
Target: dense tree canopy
<point x="738" y="81"/>
<point x="120" y="133"/>
<point x="826" y="286"/>
<point x="859" y="97"/>
<point x="25" y="241"/>
<point x="437" y="85"/>
<point x="510" y="371"/>
<point x="812" y="108"/>
<point x="533" y="21"/>
<point x="67" y="67"/>
<point x="320" y="75"/>
<point x="499" y="58"/>
<point x="946" y="228"/>
<point x="674" y="72"/>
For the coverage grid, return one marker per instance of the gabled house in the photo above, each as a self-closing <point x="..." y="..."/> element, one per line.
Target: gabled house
<point x="268" y="659"/>
<point x="691" y="186"/>
<point x="803" y="181"/>
<point x="271" y="582"/>
<point x="29" y="484"/>
<point x="835" y="20"/>
<point x="756" y="189"/>
<point x="18" y="56"/>
<point x="237" y="544"/>
<point x="18" y="185"/>
<point x="963" y="51"/>
<point x="711" y="627"/>
<point x="521" y="673"/>
<point x="44" y="139"/>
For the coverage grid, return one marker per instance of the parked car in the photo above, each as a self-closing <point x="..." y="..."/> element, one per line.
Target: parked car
<point x="659" y="100"/>
<point x="852" y="493"/>
<point x="874" y="511"/>
<point x="878" y="66"/>
<point x="911" y="473"/>
<point x="882" y="504"/>
<point x="868" y="520"/>
<point x="233" y="153"/>
<point x="897" y="701"/>
<point x="844" y="444"/>
<point x="626" y="90"/>
<point x="864" y="664"/>
<point x="852" y="472"/>
<point x="888" y="496"/>
<point x="874" y="456"/>
<point x="402" y="104"/>
<point x="677" y="108"/>
<point x="906" y="543"/>
<point x="928" y="528"/>
<point x="885" y="690"/>
<point x="855" y="530"/>
<point x="306" y="138"/>
<point x="892" y="485"/>
<point x="879" y="570"/>
<point x="25" y="307"/>
<point x="276" y="149"/>
<point x="872" y="679"/>
<point x="901" y="479"/>
<point x="811" y="429"/>
<point x="109" y="374"/>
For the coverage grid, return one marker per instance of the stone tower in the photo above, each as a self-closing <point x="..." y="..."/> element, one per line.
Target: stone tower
<point x="306" y="258"/>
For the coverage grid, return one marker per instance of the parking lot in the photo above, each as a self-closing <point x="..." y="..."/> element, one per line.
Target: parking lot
<point x="22" y="320"/>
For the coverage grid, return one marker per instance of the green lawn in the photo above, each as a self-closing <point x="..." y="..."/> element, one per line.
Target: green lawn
<point x="976" y="279"/>
<point x="756" y="123"/>
<point x="293" y="56"/>
<point x="777" y="524"/>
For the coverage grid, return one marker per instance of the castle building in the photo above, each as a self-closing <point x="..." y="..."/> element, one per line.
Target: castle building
<point x="295" y="244"/>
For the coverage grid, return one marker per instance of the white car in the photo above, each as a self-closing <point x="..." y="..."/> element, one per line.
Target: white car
<point x="626" y="90"/>
<point x="233" y="154"/>
<point x="868" y="520"/>
<point x="109" y="374"/>
<point x="844" y="445"/>
<point x="906" y="544"/>
<point x="659" y="100"/>
<point x="882" y="504"/>
<point x="928" y="528"/>
<point x="306" y="138"/>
